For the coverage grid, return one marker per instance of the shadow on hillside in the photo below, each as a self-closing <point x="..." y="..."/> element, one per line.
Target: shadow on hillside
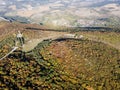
<point x="65" y="39"/>
<point x="74" y="29"/>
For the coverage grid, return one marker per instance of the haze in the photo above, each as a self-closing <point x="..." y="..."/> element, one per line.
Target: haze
<point x="62" y="12"/>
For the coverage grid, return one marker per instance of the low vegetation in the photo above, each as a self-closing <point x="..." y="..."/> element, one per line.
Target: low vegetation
<point x="34" y="73"/>
<point x="90" y="63"/>
<point x="94" y="64"/>
<point x="111" y="38"/>
<point x="62" y="64"/>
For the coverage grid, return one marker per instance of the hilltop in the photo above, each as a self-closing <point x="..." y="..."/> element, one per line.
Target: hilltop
<point x="51" y="61"/>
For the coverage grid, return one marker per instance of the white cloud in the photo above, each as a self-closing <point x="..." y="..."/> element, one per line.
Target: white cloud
<point x="2" y="3"/>
<point x="20" y="0"/>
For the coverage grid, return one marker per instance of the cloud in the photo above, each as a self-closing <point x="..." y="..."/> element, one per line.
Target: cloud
<point x="2" y="3"/>
<point x="20" y="0"/>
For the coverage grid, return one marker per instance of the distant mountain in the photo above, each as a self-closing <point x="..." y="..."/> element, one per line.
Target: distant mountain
<point x="3" y="19"/>
<point x="55" y="12"/>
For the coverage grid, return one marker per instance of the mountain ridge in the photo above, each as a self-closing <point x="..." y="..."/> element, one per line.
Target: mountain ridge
<point x="87" y="12"/>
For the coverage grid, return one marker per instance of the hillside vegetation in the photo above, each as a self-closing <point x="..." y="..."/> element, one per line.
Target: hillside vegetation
<point x="111" y="38"/>
<point x="62" y="64"/>
<point x="90" y="63"/>
<point x="95" y="64"/>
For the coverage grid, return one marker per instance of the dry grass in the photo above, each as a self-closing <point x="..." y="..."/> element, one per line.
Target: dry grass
<point x="110" y="38"/>
<point x="38" y="37"/>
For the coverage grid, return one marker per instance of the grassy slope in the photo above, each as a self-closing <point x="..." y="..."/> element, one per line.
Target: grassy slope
<point x="7" y="29"/>
<point x="94" y="64"/>
<point x="110" y="38"/>
<point x="63" y="65"/>
<point x="34" y="73"/>
<point x="67" y="64"/>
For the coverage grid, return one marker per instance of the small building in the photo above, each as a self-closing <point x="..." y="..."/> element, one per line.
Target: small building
<point x="19" y="35"/>
<point x="20" y="39"/>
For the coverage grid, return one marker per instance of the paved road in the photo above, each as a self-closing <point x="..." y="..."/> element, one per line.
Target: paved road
<point x="9" y="53"/>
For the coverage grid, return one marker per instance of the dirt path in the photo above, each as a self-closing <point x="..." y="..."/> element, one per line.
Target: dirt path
<point x="34" y="42"/>
<point x="54" y="35"/>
